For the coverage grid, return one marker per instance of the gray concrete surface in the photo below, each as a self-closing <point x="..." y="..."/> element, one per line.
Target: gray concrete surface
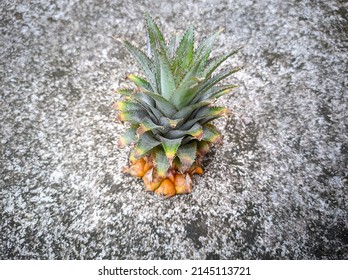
<point x="276" y="189"/>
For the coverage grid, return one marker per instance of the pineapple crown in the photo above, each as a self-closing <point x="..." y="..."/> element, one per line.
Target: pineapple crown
<point x="171" y="105"/>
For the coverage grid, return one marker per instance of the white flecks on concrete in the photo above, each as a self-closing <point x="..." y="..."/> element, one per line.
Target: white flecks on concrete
<point x="275" y="189"/>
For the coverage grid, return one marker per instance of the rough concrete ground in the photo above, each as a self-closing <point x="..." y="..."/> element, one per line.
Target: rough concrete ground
<point x="276" y="189"/>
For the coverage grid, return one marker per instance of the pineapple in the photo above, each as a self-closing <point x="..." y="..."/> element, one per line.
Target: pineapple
<point x="170" y="108"/>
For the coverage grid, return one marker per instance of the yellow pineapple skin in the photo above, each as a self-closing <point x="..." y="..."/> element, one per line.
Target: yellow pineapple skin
<point x="166" y="189"/>
<point x="137" y="169"/>
<point x="183" y="183"/>
<point x="151" y="182"/>
<point x="174" y="183"/>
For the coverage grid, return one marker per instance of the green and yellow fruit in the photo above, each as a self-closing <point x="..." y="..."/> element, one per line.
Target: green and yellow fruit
<point x="170" y="108"/>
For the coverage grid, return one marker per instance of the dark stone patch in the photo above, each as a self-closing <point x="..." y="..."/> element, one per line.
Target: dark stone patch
<point x="328" y="242"/>
<point x="272" y="58"/>
<point x="325" y="112"/>
<point x="250" y="218"/>
<point x="212" y="256"/>
<point x="18" y="16"/>
<point x="195" y="229"/>
<point x="74" y="94"/>
<point x="58" y="73"/>
<point x="108" y="179"/>
<point x="105" y="110"/>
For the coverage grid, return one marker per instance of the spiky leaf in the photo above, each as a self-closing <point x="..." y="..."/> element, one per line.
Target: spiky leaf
<point x="216" y="92"/>
<point x="177" y="163"/>
<point x="145" y="144"/>
<point x="144" y="62"/>
<point x="213" y="81"/>
<point x="140" y="82"/>
<point x="125" y="91"/>
<point x="154" y="32"/>
<point x="204" y="49"/>
<point x="147" y="125"/>
<point x="172" y="46"/>
<point x="185" y="92"/>
<point x="170" y="146"/>
<point x="211" y="133"/>
<point x="217" y="61"/>
<point x="193" y="81"/>
<point x="196" y="131"/>
<point x="170" y="123"/>
<point x="145" y="101"/>
<point x="206" y="114"/>
<point x="162" y="104"/>
<point x="127" y="105"/>
<point x="184" y="54"/>
<point x="187" y="154"/>
<point x="162" y="163"/>
<point x="128" y="137"/>
<point x="202" y="148"/>
<point x="167" y="81"/>
<point x="134" y="117"/>
<point x="186" y="111"/>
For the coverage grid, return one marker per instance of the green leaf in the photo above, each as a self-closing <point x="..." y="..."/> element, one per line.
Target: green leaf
<point x="211" y="133"/>
<point x="128" y="137"/>
<point x="177" y="163"/>
<point x="206" y="114"/>
<point x="134" y="117"/>
<point x="170" y="147"/>
<point x="211" y="111"/>
<point x="144" y="62"/>
<point x="125" y="91"/>
<point x="154" y="32"/>
<point x="217" y="61"/>
<point x="217" y="78"/>
<point x="147" y="125"/>
<point x="167" y="81"/>
<point x="158" y="49"/>
<point x="171" y="123"/>
<point x="145" y="144"/>
<point x="184" y="54"/>
<point x="187" y="111"/>
<point x="188" y="87"/>
<point x="162" y="104"/>
<point x="148" y="104"/>
<point x="202" y="148"/>
<point x="162" y="163"/>
<point x="172" y="46"/>
<point x="216" y="92"/>
<point x="127" y="105"/>
<point x="140" y="82"/>
<point x="213" y="81"/>
<point x="184" y="93"/>
<point x="143" y="100"/>
<point x="204" y="49"/>
<point x="195" y="131"/>
<point x="187" y="154"/>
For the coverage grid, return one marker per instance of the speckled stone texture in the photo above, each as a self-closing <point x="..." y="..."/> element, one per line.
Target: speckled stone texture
<point x="276" y="188"/>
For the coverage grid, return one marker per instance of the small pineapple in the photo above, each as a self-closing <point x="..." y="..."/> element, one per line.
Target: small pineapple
<point x="170" y="109"/>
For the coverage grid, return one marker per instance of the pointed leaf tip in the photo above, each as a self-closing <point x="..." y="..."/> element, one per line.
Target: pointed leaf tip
<point x="128" y="137"/>
<point x="170" y="146"/>
<point x="162" y="163"/>
<point x="187" y="154"/>
<point x="145" y="144"/>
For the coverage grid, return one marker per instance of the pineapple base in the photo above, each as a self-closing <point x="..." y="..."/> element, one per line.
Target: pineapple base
<point x="175" y="182"/>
